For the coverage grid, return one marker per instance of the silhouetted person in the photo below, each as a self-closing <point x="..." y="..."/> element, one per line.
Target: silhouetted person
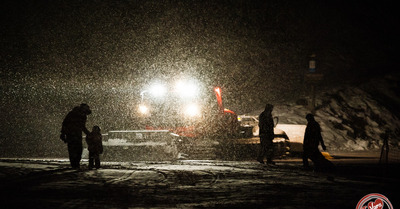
<point x="71" y="133"/>
<point x="95" y="147"/>
<point x="312" y="138"/>
<point x="266" y="125"/>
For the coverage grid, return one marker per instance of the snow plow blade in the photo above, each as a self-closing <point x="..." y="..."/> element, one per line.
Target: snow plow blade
<point x="139" y="145"/>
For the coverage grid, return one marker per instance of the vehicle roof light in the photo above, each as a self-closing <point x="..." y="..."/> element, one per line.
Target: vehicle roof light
<point x="186" y="89"/>
<point x="158" y="90"/>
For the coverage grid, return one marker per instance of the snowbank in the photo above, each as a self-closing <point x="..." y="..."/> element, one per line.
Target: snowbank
<point x="352" y="117"/>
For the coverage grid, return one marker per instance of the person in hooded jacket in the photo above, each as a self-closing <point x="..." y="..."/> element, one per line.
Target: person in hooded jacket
<point x="266" y="125"/>
<point x="71" y="132"/>
<point x="312" y="139"/>
<point x="95" y="147"/>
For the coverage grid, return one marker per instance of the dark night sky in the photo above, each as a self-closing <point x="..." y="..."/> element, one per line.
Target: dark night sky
<point x="56" y="54"/>
<point x="138" y="39"/>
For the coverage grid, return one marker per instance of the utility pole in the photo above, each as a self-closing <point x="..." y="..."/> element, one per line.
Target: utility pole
<point x="384" y="158"/>
<point x="312" y="79"/>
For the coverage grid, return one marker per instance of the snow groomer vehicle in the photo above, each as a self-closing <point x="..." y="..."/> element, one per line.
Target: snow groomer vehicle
<point x="177" y="118"/>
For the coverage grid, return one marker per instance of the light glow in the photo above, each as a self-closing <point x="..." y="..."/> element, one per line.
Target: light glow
<point x="158" y="90"/>
<point x="192" y="110"/>
<point x="186" y="89"/>
<point x="143" y="109"/>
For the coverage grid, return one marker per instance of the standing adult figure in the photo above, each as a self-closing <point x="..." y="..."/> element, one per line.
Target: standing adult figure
<point x="71" y="132"/>
<point x="266" y="126"/>
<point x="312" y="138"/>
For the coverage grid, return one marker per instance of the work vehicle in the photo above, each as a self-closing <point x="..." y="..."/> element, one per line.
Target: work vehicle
<point x="187" y="109"/>
<point x="175" y="118"/>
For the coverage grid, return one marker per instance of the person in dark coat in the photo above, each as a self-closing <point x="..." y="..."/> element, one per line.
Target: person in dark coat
<point x="71" y="132"/>
<point x="266" y="125"/>
<point x="95" y="147"/>
<point x="312" y="138"/>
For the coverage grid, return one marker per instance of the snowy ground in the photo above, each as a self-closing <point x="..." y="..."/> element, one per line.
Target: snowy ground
<point x="50" y="183"/>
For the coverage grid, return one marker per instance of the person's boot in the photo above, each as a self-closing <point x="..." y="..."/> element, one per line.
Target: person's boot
<point x="91" y="163"/>
<point x="97" y="162"/>
<point x="260" y="160"/>
<point x="270" y="162"/>
<point x="75" y="164"/>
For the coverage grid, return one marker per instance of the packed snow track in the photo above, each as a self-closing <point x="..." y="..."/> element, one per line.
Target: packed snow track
<point x="43" y="183"/>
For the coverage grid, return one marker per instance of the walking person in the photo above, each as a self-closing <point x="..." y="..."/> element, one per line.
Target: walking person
<point x="95" y="147"/>
<point x="266" y="125"/>
<point x="71" y="132"/>
<point x="313" y="138"/>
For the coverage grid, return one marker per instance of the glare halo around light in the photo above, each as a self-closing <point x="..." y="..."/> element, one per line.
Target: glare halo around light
<point x="143" y="109"/>
<point x="192" y="110"/>
<point x="186" y="88"/>
<point x="158" y="90"/>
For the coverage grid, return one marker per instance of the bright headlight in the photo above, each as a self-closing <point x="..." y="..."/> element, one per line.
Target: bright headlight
<point x="158" y="90"/>
<point x="143" y="109"/>
<point x="192" y="110"/>
<point x="186" y="89"/>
